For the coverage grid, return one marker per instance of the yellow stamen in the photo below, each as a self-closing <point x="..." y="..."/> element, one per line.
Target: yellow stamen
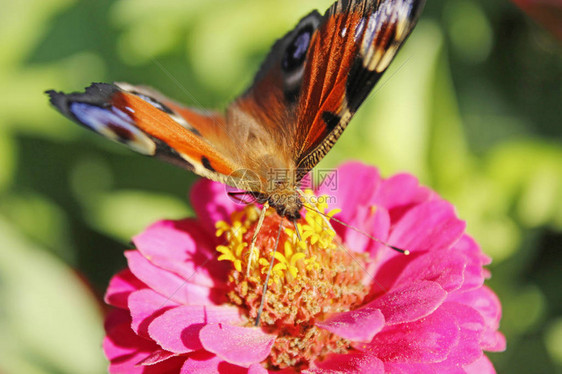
<point x="311" y="278"/>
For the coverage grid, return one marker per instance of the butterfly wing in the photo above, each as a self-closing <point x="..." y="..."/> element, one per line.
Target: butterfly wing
<point x="272" y="100"/>
<point x="303" y="97"/>
<point x="316" y="76"/>
<point x="348" y="55"/>
<point x="148" y="123"/>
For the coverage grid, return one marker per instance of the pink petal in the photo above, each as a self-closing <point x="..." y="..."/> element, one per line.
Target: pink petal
<point x="427" y="340"/>
<point x="445" y="367"/>
<point x="399" y="190"/>
<point x="380" y="230"/>
<point x="488" y="306"/>
<point x="206" y="362"/>
<point x="372" y="220"/>
<point x="400" y="193"/>
<point x="156" y="357"/>
<point x="212" y="204"/>
<point x="468" y="246"/>
<point x="388" y="269"/>
<point x="168" y="284"/>
<point x="117" y="317"/>
<point x="492" y="341"/>
<point x="257" y="369"/>
<point x="359" y="363"/>
<point x="357" y="325"/>
<point x="474" y="274"/>
<point x="242" y="346"/>
<point x="480" y="366"/>
<point x="485" y="302"/>
<point x="407" y="368"/>
<point x="120" y="287"/>
<point x="409" y="303"/>
<point x="171" y="365"/>
<point x="428" y="226"/>
<point x="122" y="347"/>
<point x="144" y="306"/>
<point x="344" y="187"/>
<point x="471" y="324"/>
<point x="183" y="248"/>
<point x="177" y="330"/>
<point x="445" y="267"/>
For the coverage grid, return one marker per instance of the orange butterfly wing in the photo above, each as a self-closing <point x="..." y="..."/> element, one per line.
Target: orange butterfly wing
<point x="348" y="55"/>
<point x="273" y="97"/>
<point x="133" y="116"/>
<point x="317" y="75"/>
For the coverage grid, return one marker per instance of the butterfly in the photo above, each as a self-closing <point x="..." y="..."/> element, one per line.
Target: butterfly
<point x="302" y="99"/>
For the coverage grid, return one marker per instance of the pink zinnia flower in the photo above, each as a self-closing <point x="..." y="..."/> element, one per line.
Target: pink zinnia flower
<point x="344" y="304"/>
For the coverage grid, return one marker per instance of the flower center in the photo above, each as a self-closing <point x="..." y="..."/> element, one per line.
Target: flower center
<point x="310" y="279"/>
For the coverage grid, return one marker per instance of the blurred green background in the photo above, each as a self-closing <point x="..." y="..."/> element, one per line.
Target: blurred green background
<point x="472" y="106"/>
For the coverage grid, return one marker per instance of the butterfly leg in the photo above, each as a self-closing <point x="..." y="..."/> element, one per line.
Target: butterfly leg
<point x="255" y="236"/>
<point x="297" y="230"/>
<point x="262" y="303"/>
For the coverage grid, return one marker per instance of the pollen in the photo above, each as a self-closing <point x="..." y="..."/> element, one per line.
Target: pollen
<point x="311" y="278"/>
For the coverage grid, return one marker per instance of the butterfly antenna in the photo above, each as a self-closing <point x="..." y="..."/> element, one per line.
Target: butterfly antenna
<point x="397" y="249"/>
<point x="255" y="237"/>
<point x="262" y="303"/>
<point x="327" y="219"/>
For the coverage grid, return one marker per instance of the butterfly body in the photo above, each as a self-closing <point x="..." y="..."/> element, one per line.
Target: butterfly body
<point x="304" y="95"/>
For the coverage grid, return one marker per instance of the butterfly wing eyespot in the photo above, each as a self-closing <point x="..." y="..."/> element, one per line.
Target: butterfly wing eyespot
<point x="294" y="56"/>
<point x="296" y="51"/>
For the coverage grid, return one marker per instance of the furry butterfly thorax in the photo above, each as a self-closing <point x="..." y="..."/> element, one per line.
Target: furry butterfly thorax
<point x="302" y="99"/>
